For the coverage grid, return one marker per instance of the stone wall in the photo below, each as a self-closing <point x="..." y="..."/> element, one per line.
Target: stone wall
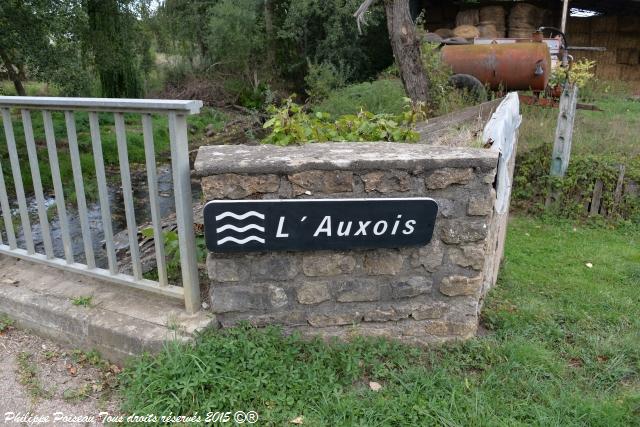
<point x="416" y="294"/>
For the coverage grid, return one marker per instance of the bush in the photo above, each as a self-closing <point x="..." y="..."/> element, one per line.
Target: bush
<point x="290" y="124"/>
<point x="379" y="97"/>
<point x="532" y="183"/>
<point x="325" y="77"/>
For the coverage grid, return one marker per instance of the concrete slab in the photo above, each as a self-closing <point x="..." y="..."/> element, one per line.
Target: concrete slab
<point x="120" y="322"/>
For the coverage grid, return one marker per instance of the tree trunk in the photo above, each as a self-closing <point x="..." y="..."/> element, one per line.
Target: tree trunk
<point x="13" y="75"/>
<point x="406" y="50"/>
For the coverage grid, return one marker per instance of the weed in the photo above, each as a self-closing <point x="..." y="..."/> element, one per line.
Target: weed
<point x="83" y="301"/>
<point x="5" y="322"/>
<point x="77" y="394"/>
<point x="28" y="377"/>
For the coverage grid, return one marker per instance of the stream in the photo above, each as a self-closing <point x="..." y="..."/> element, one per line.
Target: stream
<point x="116" y="202"/>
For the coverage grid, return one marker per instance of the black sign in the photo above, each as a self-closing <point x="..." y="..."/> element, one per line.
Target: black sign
<point x="277" y="225"/>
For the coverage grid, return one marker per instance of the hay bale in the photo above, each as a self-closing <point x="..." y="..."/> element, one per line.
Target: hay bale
<point x="628" y="56"/>
<point x="604" y="24"/>
<point x="628" y="24"/>
<point x="432" y="38"/>
<point x="521" y="33"/>
<point x="525" y="15"/>
<point x="629" y="72"/>
<point x="445" y="33"/>
<point x="494" y="15"/>
<point x="468" y="17"/>
<point x="466" y="31"/>
<point x="578" y="25"/>
<point x="488" y="31"/>
<point x="608" y="72"/>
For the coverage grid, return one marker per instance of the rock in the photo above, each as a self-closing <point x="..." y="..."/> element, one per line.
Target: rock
<point x="222" y="270"/>
<point x="226" y="299"/>
<point x="321" y="320"/>
<point x="382" y="315"/>
<point x="313" y="293"/>
<point x="430" y="256"/>
<point x="481" y="205"/>
<point x="358" y="290"/>
<point x="456" y="231"/>
<point x="461" y="285"/>
<point x="442" y="178"/>
<point x="233" y="186"/>
<point x="468" y="256"/>
<point x="279" y="266"/>
<point x="428" y="311"/>
<point x="383" y="262"/>
<point x="329" y="264"/>
<point x="411" y="287"/>
<point x="322" y="182"/>
<point x="387" y="181"/>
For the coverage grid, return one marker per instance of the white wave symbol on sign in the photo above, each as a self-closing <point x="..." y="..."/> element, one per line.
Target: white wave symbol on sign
<point x="230" y="227"/>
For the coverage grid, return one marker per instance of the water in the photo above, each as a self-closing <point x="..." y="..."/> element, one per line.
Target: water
<point x="116" y="202"/>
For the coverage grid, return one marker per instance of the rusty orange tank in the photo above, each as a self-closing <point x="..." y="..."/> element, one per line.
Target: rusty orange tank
<point x="514" y="66"/>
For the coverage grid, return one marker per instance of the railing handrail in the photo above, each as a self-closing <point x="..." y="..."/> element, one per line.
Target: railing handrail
<point x="102" y="104"/>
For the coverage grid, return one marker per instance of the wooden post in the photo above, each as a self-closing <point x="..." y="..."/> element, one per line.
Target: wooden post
<point x="564" y="131"/>
<point x="564" y="136"/>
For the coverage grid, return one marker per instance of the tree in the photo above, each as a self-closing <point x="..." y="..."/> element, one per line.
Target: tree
<point x="24" y="27"/>
<point x="112" y="36"/>
<point x="406" y="46"/>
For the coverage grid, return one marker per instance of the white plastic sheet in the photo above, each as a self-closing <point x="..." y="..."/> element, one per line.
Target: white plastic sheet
<point x="502" y="129"/>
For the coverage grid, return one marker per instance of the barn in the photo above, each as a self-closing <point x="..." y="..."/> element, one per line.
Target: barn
<point x="613" y="25"/>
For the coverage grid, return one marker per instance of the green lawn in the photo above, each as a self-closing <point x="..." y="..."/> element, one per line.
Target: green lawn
<point x="563" y="348"/>
<point x="613" y="131"/>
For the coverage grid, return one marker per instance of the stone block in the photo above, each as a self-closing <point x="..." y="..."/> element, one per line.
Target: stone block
<point x="387" y="181"/>
<point x="234" y="186"/>
<point x="241" y="298"/>
<point x="313" y="293"/>
<point x="328" y="264"/>
<point x="430" y="257"/>
<point x="358" y="290"/>
<point x="222" y="270"/>
<point x="461" y="285"/>
<point x="382" y="315"/>
<point x="466" y="230"/>
<point x="481" y="205"/>
<point x="442" y="178"/>
<point x="279" y="266"/>
<point x="383" y="262"/>
<point x="322" y="182"/>
<point x="428" y="311"/>
<point x="412" y="287"/>
<point x="468" y="256"/>
<point x="321" y="320"/>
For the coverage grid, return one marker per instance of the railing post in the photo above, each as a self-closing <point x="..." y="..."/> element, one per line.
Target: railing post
<point x="184" y="210"/>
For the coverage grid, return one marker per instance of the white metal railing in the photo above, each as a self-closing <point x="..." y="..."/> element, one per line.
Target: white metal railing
<point x="176" y="112"/>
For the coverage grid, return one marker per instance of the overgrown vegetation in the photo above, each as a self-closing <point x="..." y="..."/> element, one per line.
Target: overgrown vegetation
<point x="290" y="124"/>
<point x="562" y="349"/>
<point x="602" y="141"/>
<point x="5" y="322"/>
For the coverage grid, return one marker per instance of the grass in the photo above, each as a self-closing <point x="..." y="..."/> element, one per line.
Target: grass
<point x="28" y="377"/>
<point x="380" y="96"/>
<point x="562" y="350"/>
<point x="613" y="131"/>
<point x="135" y="147"/>
<point x="5" y="322"/>
<point x="83" y="301"/>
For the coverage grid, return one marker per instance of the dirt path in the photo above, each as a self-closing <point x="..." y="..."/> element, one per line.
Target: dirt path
<point x="39" y="379"/>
